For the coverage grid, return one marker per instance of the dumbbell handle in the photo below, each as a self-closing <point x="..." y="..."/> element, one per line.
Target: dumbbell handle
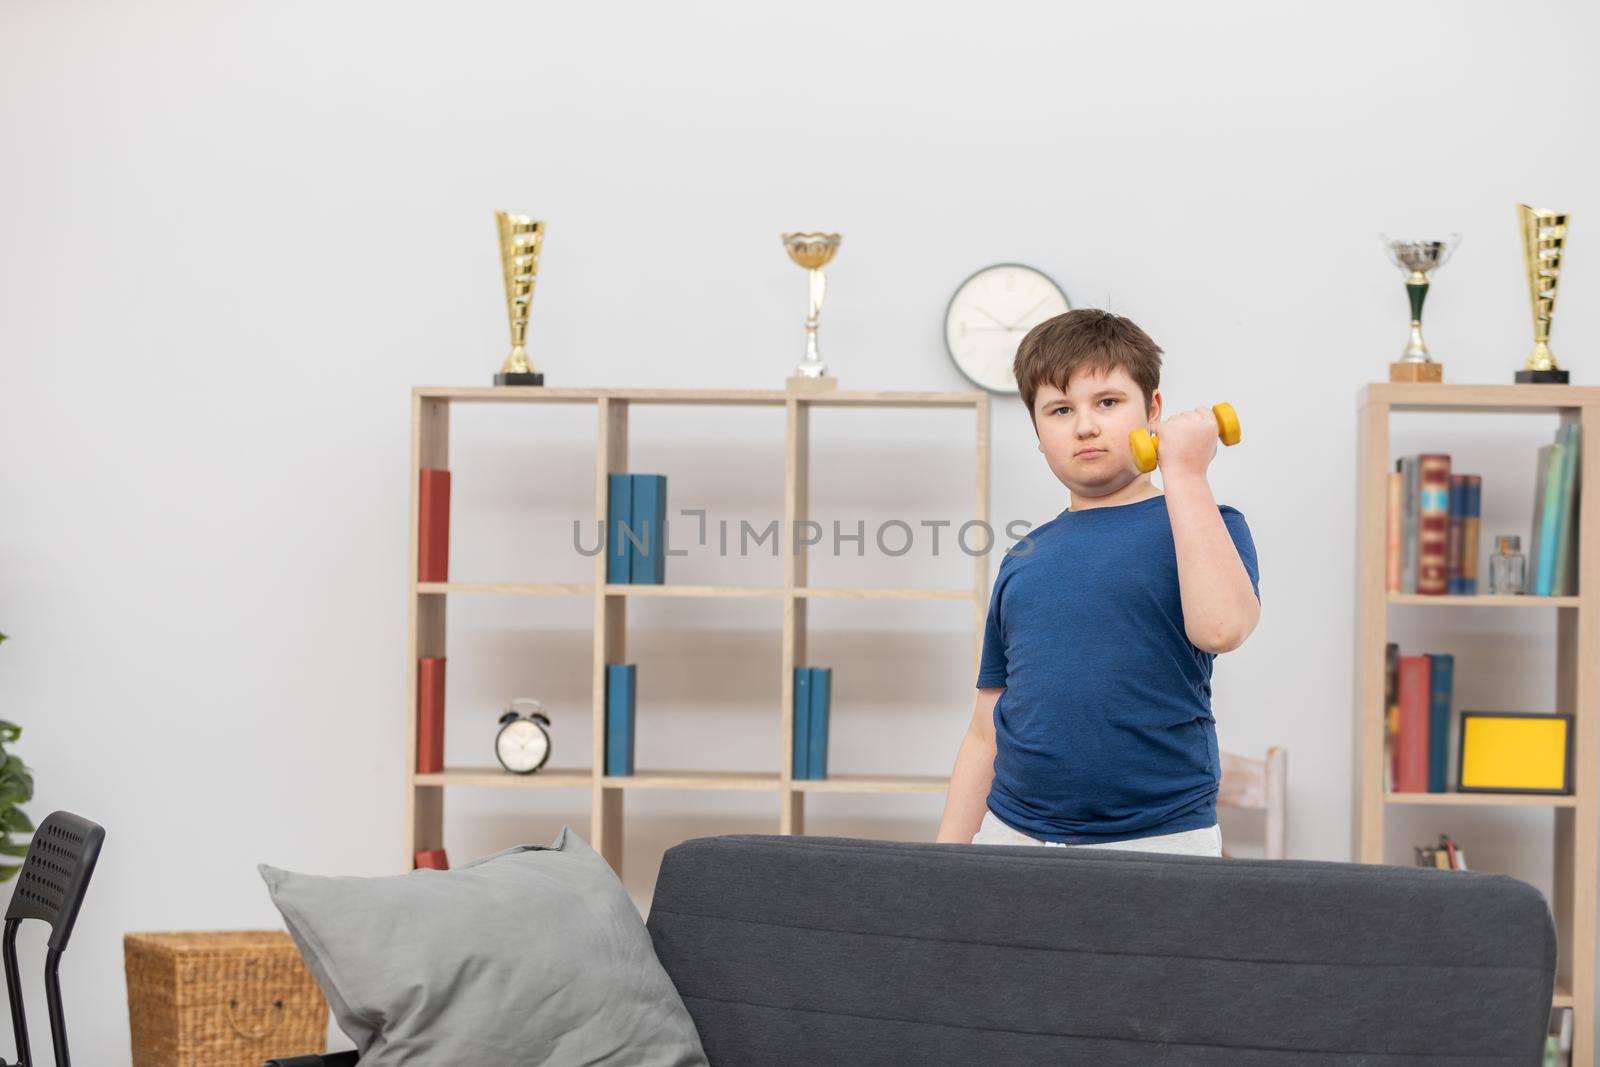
<point x="1144" y="444"/>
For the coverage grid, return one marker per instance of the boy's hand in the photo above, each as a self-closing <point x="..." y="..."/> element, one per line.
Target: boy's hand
<point x="1188" y="442"/>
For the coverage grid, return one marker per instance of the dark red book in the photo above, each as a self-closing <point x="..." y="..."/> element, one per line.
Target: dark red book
<point x="433" y="526"/>
<point x="430" y="715"/>
<point x="432" y="860"/>
<point x="1411" y="746"/>
<point x="1433" y="525"/>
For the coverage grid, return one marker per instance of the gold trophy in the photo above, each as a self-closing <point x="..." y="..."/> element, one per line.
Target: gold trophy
<point x="1544" y="233"/>
<point x="521" y="238"/>
<point x="1417" y="258"/>
<point x="812" y="251"/>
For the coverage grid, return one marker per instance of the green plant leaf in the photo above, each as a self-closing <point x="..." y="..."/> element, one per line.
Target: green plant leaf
<point x="16" y="820"/>
<point x="13" y="850"/>
<point x="9" y="731"/>
<point x="8" y="872"/>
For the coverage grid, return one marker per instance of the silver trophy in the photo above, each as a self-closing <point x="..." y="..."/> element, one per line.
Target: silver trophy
<point x="1417" y="258"/>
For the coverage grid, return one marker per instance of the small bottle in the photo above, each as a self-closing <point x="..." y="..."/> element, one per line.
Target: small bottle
<point x="1508" y="567"/>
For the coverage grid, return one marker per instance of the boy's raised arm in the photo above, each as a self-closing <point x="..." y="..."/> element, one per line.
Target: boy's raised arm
<point x="1220" y="607"/>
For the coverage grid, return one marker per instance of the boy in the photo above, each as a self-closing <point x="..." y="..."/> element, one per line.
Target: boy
<point x="1093" y="720"/>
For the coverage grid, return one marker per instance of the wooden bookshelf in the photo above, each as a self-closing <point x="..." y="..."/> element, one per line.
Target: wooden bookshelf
<point x="1574" y="818"/>
<point x="428" y="604"/>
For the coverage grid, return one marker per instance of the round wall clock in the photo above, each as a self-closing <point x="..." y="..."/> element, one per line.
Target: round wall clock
<point x="990" y="313"/>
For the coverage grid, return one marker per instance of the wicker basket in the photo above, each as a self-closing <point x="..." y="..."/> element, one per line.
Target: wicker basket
<point x="220" y="999"/>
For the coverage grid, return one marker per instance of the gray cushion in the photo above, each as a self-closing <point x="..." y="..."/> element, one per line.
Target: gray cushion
<point x="803" y="951"/>
<point x="534" y="955"/>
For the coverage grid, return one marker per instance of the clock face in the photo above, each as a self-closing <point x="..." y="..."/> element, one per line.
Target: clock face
<point x="990" y="314"/>
<point x="521" y="746"/>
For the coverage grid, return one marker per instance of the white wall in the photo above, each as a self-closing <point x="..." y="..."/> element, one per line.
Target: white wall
<point x="234" y="236"/>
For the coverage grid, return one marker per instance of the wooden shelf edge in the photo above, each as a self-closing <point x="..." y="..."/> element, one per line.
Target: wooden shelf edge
<point x="802" y="592"/>
<point x="1562" y="998"/>
<point x="872" y="783"/>
<point x="1483" y="601"/>
<point x="507" y="588"/>
<point x="752" y="781"/>
<point x="760" y="397"/>
<point x="1483" y="800"/>
<point x="1477" y="397"/>
<point x="667" y="589"/>
<point x="495" y="778"/>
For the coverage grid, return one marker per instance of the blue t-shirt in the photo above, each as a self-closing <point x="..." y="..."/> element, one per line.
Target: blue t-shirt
<point x="1104" y="731"/>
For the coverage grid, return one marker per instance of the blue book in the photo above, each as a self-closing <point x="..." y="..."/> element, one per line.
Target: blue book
<point x="1474" y="513"/>
<point x="619" y="521"/>
<point x="1549" y="501"/>
<point x="620" y="705"/>
<point x="1564" y="582"/>
<point x="817" y="750"/>
<point x="650" y="522"/>
<point x="802" y="722"/>
<point x="1442" y="672"/>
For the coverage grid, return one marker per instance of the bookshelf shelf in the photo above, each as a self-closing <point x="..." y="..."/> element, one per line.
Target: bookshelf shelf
<point x="757" y="781"/>
<point x="1483" y="601"/>
<point x="818" y="592"/>
<point x="875" y="783"/>
<point x="1576" y="820"/>
<point x="496" y="778"/>
<point x="428" y="603"/>
<point x="1482" y="800"/>
<point x="507" y="588"/>
<point x="642" y="589"/>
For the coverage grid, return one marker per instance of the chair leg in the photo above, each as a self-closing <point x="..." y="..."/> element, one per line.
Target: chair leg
<point x="52" y="996"/>
<point x="19" y="1019"/>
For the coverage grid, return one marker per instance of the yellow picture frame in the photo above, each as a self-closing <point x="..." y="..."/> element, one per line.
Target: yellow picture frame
<point x="1514" y="752"/>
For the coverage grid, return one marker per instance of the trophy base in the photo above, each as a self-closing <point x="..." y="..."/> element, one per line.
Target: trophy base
<point x="800" y="385"/>
<point x="516" y="378"/>
<point x="1541" y="377"/>
<point x="1416" y="372"/>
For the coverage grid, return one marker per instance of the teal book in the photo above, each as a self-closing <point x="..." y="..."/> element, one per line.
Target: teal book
<point x="817" y="750"/>
<point x="650" y="523"/>
<point x="1550" y="519"/>
<point x="802" y="722"/>
<point x="619" y="521"/>
<point x="1442" y="690"/>
<point x="1565" y="582"/>
<point x="620" y="718"/>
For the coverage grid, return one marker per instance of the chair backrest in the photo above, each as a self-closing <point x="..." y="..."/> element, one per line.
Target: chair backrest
<point x="1260" y="784"/>
<point x="50" y="887"/>
<point x="56" y="873"/>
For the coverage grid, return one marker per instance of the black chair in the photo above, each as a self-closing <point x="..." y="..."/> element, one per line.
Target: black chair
<point x="50" y="886"/>
<point x="332" y="1059"/>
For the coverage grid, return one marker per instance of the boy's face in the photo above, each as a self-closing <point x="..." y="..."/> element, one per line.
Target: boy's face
<point x="1083" y="432"/>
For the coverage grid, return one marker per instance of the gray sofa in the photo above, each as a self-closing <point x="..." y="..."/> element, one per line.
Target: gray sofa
<point x="819" y="950"/>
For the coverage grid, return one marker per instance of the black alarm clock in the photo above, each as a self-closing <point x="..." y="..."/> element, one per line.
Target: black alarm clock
<point x="523" y="744"/>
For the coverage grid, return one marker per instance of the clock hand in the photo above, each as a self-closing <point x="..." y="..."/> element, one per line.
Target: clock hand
<point x="1030" y="311"/>
<point x="988" y="316"/>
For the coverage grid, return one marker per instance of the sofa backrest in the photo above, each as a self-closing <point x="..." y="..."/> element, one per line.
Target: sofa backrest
<point x="821" y="950"/>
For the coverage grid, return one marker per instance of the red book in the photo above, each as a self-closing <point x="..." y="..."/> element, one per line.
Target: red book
<point x="1433" y="525"/>
<point x="1411" y="746"/>
<point x="430" y="715"/>
<point x="433" y="526"/>
<point x="432" y="860"/>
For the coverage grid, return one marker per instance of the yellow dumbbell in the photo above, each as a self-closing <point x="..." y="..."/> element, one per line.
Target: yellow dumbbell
<point x="1144" y="443"/>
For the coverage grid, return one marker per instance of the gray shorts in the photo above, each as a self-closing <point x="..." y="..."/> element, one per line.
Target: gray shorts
<point x="1206" y="841"/>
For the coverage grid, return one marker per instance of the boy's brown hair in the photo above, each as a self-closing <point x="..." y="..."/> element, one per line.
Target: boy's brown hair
<point x="1085" y="339"/>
